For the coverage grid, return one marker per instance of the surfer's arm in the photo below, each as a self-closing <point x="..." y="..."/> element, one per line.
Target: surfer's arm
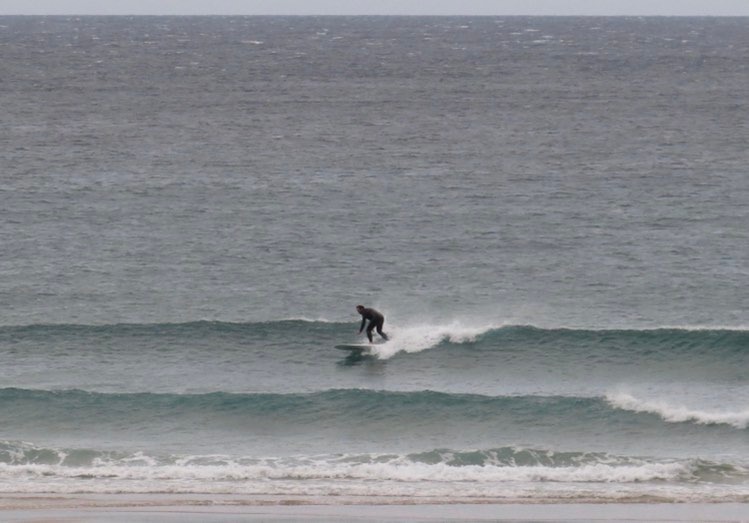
<point x="363" y="322"/>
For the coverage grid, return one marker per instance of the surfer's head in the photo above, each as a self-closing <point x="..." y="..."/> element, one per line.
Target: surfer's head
<point x="359" y="308"/>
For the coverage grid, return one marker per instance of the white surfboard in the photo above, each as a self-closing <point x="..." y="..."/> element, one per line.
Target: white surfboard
<point x="355" y="347"/>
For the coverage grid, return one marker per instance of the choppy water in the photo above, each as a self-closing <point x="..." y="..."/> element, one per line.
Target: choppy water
<point x="551" y="213"/>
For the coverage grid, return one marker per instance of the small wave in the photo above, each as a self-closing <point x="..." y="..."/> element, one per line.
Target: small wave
<point x="328" y="411"/>
<point x="413" y="338"/>
<point x="678" y="413"/>
<point x="500" y="465"/>
<point x="580" y="346"/>
<point x="183" y="332"/>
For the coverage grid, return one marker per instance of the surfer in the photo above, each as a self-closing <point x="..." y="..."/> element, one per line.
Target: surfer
<point x="376" y="320"/>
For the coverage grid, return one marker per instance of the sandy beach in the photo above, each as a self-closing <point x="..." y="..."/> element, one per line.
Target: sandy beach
<point x="164" y="508"/>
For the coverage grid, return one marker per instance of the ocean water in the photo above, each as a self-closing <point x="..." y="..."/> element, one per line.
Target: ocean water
<point x="550" y="212"/>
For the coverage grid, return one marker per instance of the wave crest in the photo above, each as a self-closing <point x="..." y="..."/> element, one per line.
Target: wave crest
<point x="678" y="413"/>
<point x="416" y="338"/>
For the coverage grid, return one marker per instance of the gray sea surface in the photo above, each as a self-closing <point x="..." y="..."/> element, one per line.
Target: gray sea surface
<point x="556" y="171"/>
<point x="551" y="213"/>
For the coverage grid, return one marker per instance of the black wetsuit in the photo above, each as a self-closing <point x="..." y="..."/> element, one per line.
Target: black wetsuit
<point x="376" y="320"/>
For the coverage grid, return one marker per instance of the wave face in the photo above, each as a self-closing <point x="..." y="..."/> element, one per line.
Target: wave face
<point x="650" y="344"/>
<point x="454" y="355"/>
<point x="335" y="409"/>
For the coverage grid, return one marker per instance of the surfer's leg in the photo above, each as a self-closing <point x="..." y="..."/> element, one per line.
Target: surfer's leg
<point x="369" y="331"/>
<point x="379" y="331"/>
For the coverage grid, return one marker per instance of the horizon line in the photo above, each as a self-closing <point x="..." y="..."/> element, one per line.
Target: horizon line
<point x="382" y="15"/>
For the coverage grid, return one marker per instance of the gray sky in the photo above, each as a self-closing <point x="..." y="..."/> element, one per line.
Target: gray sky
<point x="392" y="7"/>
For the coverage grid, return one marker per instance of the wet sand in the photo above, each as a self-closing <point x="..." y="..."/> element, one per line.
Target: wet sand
<point x="195" y="508"/>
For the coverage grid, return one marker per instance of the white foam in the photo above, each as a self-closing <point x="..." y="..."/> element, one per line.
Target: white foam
<point x="604" y="479"/>
<point x="309" y="319"/>
<point x="395" y="477"/>
<point x="419" y="337"/>
<point x="737" y="327"/>
<point x="678" y="413"/>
